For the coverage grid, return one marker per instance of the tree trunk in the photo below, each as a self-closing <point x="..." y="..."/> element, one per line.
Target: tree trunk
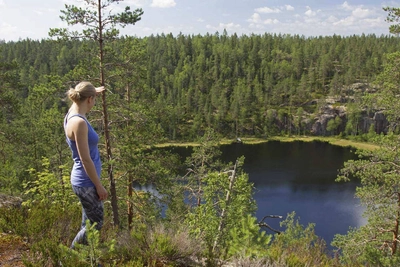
<point x="113" y="191"/>
<point x="130" y="206"/>
<point x="227" y="201"/>
<point x="396" y="229"/>
<point x="130" y="176"/>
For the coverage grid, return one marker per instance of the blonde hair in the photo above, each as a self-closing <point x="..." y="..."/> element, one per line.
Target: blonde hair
<point x="82" y="91"/>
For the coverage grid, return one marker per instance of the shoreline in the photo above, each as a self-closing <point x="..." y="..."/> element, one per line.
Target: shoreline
<point x="255" y="140"/>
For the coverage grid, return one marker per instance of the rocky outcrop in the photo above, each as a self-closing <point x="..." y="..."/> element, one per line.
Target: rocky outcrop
<point x="337" y="107"/>
<point x="380" y="121"/>
<point x="319" y="127"/>
<point x="9" y="201"/>
<point x="320" y="112"/>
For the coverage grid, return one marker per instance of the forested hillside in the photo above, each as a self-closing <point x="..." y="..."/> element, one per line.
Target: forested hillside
<point x="162" y="88"/>
<point x="238" y="85"/>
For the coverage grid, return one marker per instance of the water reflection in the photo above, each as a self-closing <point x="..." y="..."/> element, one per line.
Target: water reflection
<point x="300" y="177"/>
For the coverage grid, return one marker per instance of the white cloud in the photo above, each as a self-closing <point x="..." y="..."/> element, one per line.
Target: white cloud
<point x="346" y="6"/>
<point x="225" y="26"/>
<point x="7" y="29"/>
<point x="166" y="29"/>
<point x="342" y="19"/>
<point x="310" y="13"/>
<point x="267" y="10"/>
<point x="345" y="22"/>
<point x="289" y="7"/>
<point x="138" y="3"/>
<point x="377" y="21"/>
<point x="332" y="19"/>
<point x="75" y="3"/>
<point x="229" y="25"/>
<point x="255" y="18"/>
<point x="271" y="21"/>
<point x="312" y="21"/>
<point x="163" y="3"/>
<point x="256" y="26"/>
<point x="360" y="12"/>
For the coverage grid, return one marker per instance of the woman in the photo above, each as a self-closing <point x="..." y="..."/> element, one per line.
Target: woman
<point x="83" y="140"/>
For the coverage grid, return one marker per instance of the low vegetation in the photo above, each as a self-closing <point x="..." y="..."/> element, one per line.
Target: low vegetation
<point x="199" y="87"/>
<point x="214" y="226"/>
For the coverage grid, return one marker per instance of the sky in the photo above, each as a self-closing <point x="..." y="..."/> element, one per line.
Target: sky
<point x="21" y="19"/>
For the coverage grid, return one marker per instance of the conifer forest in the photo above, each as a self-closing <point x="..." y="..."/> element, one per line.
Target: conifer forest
<point x="166" y="89"/>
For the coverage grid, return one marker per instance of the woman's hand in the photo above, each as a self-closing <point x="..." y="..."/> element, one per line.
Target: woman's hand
<point x="101" y="192"/>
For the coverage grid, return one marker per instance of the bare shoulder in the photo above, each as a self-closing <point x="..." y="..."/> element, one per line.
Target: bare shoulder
<point x="75" y="126"/>
<point x="75" y="121"/>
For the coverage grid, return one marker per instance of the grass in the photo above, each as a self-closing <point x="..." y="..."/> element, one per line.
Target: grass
<point x="252" y="140"/>
<point x="331" y="140"/>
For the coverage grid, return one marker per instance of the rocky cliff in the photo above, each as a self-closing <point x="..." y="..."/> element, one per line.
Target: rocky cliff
<point x="334" y="107"/>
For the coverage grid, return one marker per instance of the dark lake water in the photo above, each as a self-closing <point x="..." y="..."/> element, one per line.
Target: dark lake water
<point x="299" y="177"/>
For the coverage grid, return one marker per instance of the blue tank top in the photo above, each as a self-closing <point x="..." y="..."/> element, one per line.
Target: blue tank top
<point x="79" y="176"/>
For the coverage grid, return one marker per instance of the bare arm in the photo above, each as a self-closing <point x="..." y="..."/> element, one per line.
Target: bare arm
<point x="80" y="133"/>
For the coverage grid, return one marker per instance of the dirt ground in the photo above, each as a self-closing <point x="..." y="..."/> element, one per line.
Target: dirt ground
<point x="11" y="250"/>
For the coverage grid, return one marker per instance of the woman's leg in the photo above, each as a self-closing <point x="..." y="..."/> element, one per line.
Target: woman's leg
<point x="92" y="209"/>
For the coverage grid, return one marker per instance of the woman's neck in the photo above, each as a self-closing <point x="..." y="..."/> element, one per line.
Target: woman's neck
<point x="78" y="109"/>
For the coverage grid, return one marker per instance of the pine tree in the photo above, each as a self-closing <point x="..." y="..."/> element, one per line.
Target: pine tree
<point x="376" y="243"/>
<point x="100" y="26"/>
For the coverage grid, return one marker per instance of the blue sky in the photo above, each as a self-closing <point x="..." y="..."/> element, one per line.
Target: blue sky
<point x="33" y="18"/>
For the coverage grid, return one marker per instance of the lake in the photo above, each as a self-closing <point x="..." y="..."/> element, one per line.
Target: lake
<point x="300" y="177"/>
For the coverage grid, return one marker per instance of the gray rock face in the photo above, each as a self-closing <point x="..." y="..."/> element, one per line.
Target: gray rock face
<point x="320" y="124"/>
<point x="336" y="107"/>
<point x="380" y="122"/>
<point x="375" y="118"/>
<point x="9" y="201"/>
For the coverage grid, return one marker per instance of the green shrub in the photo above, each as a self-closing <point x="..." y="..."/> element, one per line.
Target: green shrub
<point x="299" y="246"/>
<point x="90" y="254"/>
<point x="46" y="188"/>
<point x="13" y="220"/>
<point x="248" y="240"/>
<point x="226" y="200"/>
<point x="152" y="245"/>
<point x="45" y="252"/>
